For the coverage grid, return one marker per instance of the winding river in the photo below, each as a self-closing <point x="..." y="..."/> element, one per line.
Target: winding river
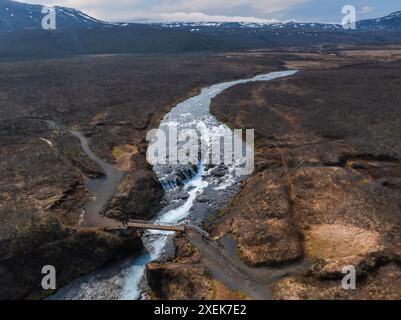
<point x="191" y="194"/>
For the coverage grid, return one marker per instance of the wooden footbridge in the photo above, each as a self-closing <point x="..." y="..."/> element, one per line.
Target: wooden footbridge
<point x="177" y="227"/>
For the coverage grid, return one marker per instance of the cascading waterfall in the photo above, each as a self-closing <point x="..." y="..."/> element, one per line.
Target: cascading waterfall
<point x="158" y="239"/>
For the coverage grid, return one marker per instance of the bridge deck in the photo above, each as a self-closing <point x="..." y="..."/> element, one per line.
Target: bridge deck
<point x="156" y="226"/>
<point x="147" y="225"/>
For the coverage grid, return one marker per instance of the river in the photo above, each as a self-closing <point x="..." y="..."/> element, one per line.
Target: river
<point x="191" y="194"/>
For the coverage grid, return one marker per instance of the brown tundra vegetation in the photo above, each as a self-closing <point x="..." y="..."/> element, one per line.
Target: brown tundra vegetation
<point x="326" y="191"/>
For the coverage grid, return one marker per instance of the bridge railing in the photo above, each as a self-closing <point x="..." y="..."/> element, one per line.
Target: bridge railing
<point x="199" y="230"/>
<point x="155" y="225"/>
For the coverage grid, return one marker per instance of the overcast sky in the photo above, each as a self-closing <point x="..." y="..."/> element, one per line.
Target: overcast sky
<point x="227" y="10"/>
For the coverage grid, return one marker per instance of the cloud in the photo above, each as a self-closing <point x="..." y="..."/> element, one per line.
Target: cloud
<point x="366" y="9"/>
<point x="202" y="17"/>
<point x="180" y="10"/>
<point x="259" y="7"/>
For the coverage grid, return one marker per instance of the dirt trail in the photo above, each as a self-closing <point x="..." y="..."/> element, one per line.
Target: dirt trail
<point x="224" y="265"/>
<point x="102" y="189"/>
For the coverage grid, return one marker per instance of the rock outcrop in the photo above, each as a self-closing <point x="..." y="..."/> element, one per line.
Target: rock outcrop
<point x="185" y="277"/>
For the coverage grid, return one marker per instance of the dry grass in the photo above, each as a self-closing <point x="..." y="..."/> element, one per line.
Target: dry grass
<point x="221" y="292"/>
<point x="340" y="241"/>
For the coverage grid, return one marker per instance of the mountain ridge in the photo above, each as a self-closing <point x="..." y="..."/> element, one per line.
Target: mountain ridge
<point x="15" y="15"/>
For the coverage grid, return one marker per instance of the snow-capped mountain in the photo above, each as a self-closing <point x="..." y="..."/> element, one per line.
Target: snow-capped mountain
<point x="254" y="25"/>
<point x="391" y="22"/>
<point x="17" y="15"/>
